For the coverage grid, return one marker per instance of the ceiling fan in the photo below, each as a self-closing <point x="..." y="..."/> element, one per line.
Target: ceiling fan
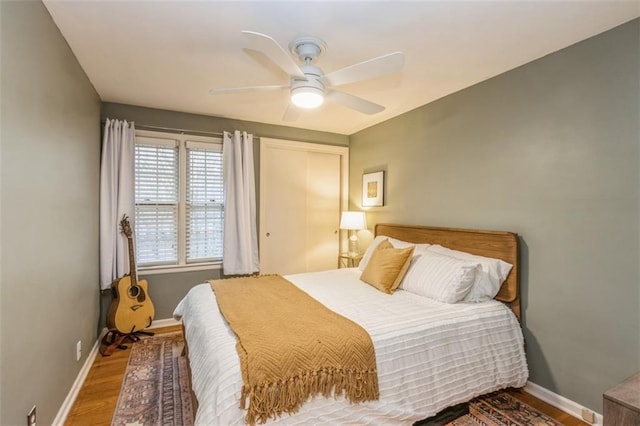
<point x="309" y="85"/>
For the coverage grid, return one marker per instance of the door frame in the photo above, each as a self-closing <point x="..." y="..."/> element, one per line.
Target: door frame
<point x="342" y="151"/>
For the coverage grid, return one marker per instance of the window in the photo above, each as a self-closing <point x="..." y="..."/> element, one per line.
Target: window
<point x="179" y="198"/>
<point x="204" y="203"/>
<point x="157" y="199"/>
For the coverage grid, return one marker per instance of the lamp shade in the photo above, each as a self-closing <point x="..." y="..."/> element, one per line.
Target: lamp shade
<point x="353" y="220"/>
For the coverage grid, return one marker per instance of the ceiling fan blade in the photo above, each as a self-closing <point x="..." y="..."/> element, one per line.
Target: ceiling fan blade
<point x="292" y="113"/>
<point x="376" y="67"/>
<point x="267" y="45"/>
<point x="354" y="102"/>
<point x="230" y="90"/>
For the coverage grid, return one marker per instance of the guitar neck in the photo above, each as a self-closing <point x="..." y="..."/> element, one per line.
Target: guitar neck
<point x="132" y="262"/>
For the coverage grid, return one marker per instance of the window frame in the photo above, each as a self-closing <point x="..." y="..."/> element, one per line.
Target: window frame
<point x="181" y="141"/>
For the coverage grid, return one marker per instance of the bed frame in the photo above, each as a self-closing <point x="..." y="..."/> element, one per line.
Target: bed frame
<point x="496" y="244"/>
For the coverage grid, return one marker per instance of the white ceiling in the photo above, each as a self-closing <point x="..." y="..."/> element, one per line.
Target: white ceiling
<point x="168" y="55"/>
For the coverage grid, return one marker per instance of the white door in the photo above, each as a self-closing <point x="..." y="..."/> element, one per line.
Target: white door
<point x="323" y="210"/>
<point x="302" y="191"/>
<point x="283" y="205"/>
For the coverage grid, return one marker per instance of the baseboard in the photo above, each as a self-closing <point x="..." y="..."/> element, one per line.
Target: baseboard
<point x="559" y="401"/>
<point x="64" y="410"/>
<point x="68" y="402"/>
<point x="167" y="322"/>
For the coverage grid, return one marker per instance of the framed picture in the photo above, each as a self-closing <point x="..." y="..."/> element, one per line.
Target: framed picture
<point x="373" y="189"/>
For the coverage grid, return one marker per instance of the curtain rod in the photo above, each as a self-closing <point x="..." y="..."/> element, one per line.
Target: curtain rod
<point x="173" y="130"/>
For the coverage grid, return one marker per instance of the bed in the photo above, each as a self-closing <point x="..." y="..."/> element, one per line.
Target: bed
<point x="430" y="355"/>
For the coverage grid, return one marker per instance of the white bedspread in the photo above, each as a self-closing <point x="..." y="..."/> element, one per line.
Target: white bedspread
<point x="429" y="355"/>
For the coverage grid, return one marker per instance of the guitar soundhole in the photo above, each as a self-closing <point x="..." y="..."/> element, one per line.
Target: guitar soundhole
<point x="134" y="291"/>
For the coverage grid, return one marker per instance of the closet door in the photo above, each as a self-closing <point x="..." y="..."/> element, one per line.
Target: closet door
<point x="282" y="211"/>
<point x="302" y="191"/>
<point x="323" y="211"/>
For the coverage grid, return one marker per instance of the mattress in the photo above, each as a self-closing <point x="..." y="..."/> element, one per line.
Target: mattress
<point x="429" y="355"/>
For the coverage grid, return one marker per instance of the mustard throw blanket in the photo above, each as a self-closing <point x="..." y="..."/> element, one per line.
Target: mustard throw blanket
<point x="292" y="347"/>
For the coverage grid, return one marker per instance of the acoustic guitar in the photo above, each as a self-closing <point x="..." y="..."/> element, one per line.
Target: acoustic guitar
<point x="131" y="309"/>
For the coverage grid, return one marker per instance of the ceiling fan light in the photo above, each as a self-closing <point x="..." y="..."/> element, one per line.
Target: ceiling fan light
<point x="307" y="97"/>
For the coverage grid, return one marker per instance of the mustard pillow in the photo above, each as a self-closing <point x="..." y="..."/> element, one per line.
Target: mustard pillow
<point x="387" y="266"/>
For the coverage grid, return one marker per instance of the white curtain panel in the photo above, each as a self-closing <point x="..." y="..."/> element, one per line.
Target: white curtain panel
<point x="116" y="198"/>
<point x="240" y="250"/>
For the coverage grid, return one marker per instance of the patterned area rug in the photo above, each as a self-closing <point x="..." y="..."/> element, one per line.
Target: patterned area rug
<point x="501" y="409"/>
<point x="155" y="389"/>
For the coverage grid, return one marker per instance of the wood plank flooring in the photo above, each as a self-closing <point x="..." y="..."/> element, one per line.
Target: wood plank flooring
<point x="98" y="397"/>
<point x="549" y="410"/>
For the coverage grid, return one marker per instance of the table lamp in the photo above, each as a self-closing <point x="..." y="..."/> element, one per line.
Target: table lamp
<point x="353" y="221"/>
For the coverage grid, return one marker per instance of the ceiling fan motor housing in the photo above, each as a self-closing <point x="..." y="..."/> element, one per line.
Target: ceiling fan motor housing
<point x="309" y="92"/>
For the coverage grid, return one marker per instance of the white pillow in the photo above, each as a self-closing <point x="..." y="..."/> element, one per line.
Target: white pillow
<point x="489" y="278"/>
<point x="440" y="277"/>
<point x="419" y="248"/>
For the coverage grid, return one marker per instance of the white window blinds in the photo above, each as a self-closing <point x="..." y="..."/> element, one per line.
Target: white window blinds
<point x="157" y="198"/>
<point x="204" y="202"/>
<point x="179" y="196"/>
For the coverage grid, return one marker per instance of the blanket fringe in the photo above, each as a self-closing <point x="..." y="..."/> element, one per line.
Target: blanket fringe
<point x="286" y="396"/>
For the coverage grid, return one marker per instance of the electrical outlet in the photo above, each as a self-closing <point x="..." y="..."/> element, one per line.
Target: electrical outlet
<point x="31" y="417"/>
<point x="588" y="416"/>
<point x="78" y="350"/>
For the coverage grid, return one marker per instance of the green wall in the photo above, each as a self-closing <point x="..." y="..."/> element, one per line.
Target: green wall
<point x="206" y="123"/>
<point x="549" y="150"/>
<point x="167" y="290"/>
<point x="50" y="163"/>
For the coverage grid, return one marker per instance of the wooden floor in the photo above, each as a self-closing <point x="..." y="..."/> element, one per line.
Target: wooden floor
<point x="549" y="410"/>
<point x="97" y="399"/>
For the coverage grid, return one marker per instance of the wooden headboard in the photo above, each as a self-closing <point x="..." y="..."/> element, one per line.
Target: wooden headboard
<point x="496" y="244"/>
